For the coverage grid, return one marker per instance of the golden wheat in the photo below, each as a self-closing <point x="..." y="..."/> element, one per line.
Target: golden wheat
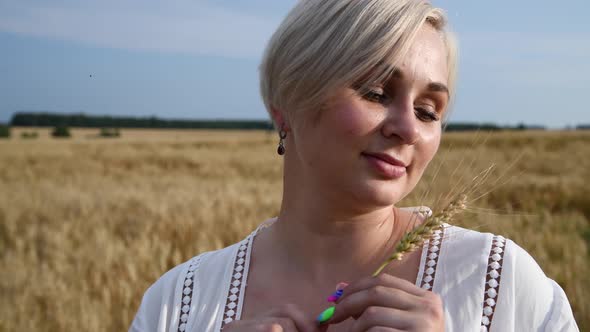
<point x="413" y="239"/>
<point x="87" y="224"/>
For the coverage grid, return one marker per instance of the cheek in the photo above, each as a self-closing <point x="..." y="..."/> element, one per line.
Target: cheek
<point x="352" y="121"/>
<point x="431" y="142"/>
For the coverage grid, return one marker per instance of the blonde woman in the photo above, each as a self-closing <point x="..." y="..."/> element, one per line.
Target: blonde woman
<point x="358" y="90"/>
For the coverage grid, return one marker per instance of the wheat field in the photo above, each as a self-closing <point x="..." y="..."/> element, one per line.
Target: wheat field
<point x="87" y="224"/>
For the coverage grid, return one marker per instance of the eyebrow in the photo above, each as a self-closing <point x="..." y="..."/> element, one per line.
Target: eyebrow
<point x="433" y="86"/>
<point x="438" y="87"/>
<point x="396" y="72"/>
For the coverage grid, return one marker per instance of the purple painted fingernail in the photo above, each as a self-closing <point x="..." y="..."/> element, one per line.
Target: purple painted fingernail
<point x="336" y="295"/>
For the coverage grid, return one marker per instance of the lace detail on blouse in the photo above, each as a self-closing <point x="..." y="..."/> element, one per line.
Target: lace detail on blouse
<point x="237" y="286"/>
<point x="235" y="295"/>
<point x="492" y="283"/>
<point x="431" y="262"/>
<point x="187" y="292"/>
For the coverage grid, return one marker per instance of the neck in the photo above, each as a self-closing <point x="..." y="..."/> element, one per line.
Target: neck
<point x="317" y="239"/>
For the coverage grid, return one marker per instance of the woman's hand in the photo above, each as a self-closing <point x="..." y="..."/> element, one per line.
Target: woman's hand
<point x="387" y="303"/>
<point x="285" y="318"/>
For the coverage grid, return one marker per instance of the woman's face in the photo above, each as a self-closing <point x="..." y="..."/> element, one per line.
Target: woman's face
<point x="374" y="148"/>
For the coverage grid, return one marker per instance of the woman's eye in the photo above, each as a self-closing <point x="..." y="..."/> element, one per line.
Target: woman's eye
<point x="375" y="96"/>
<point x="426" y="115"/>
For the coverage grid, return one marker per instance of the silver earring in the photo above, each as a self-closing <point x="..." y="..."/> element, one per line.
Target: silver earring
<point x="281" y="148"/>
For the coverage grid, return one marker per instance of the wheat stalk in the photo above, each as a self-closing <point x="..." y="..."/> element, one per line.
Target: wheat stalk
<point x="413" y="239"/>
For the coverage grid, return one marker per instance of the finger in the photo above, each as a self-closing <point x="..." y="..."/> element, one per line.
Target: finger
<point x="384" y="279"/>
<point x="383" y="329"/>
<point x="354" y="305"/>
<point x="302" y="322"/>
<point x="266" y="324"/>
<point x="382" y="290"/>
<point x="374" y="317"/>
<point x="276" y="324"/>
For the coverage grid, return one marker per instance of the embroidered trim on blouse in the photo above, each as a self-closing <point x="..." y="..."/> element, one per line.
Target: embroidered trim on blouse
<point x="431" y="263"/>
<point x="233" y="304"/>
<point x="492" y="283"/>
<point x="235" y="295"/>
<point x="187" y="293"/>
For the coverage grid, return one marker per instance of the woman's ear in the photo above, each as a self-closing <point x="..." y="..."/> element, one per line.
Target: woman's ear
<point x="280" y="119"/>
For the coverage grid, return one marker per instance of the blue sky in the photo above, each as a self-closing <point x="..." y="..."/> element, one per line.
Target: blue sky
<point x="520" y="61"/>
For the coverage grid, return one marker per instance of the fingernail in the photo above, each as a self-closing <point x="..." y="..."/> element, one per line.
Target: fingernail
<point x="325" y="315"/>
<point x="341" y="285"/>
<point x="336" y="295"/>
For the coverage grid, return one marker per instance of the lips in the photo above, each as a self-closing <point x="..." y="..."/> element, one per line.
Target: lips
<point x="387" y="158"/>
<point x="385" y="165"/>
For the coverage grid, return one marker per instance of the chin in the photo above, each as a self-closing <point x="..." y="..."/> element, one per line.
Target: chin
<point x="379" y="193"/>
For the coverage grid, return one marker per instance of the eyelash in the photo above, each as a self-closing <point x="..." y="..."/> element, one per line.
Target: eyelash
<point x="425" y="115"/>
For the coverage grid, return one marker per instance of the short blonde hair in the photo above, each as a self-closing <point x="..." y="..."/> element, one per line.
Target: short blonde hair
<point x="323" y="45"/>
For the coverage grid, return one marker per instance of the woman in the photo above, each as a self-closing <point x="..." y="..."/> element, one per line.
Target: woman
<point x="358" y="91"/>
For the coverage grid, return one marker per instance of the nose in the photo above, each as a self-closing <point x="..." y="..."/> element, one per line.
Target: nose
<point x="401" y="122"/>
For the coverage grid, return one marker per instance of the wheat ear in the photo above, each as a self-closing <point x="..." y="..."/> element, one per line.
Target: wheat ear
<point x="413" y="239"/>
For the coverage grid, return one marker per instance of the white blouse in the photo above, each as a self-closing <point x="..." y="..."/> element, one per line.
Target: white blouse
<point x="486" y="282"/>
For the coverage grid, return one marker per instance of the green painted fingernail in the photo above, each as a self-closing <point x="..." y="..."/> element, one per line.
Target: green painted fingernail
<point x="326" y="315"/>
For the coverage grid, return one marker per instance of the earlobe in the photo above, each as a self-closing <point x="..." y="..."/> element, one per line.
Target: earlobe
<point x="279" y="119"/>
<point x="282" y="127"/>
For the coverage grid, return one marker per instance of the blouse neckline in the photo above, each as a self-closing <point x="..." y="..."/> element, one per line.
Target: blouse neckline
<point x="239" y="276"/>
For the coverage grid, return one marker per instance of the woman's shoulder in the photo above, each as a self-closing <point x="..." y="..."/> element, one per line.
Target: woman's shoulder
<point x="198" y="288"/>
<point x="492" y="252"/>
<point x="504" y="279"/>
<point x="180" y="288"/>
<point x="469" y="244"/>
<point x="472" y="244"/>
<point x="211" y="261"/>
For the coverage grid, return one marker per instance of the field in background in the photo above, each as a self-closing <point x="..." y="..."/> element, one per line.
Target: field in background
<point x="87" y="224"/>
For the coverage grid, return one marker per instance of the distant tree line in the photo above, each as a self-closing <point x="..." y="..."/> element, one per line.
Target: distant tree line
<point x="489" y="127"/>
<point x="49" y="119"/>
<point x="26" y="119"/>
<point x="472" y="126"/>
<point x="4" y="131"/>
